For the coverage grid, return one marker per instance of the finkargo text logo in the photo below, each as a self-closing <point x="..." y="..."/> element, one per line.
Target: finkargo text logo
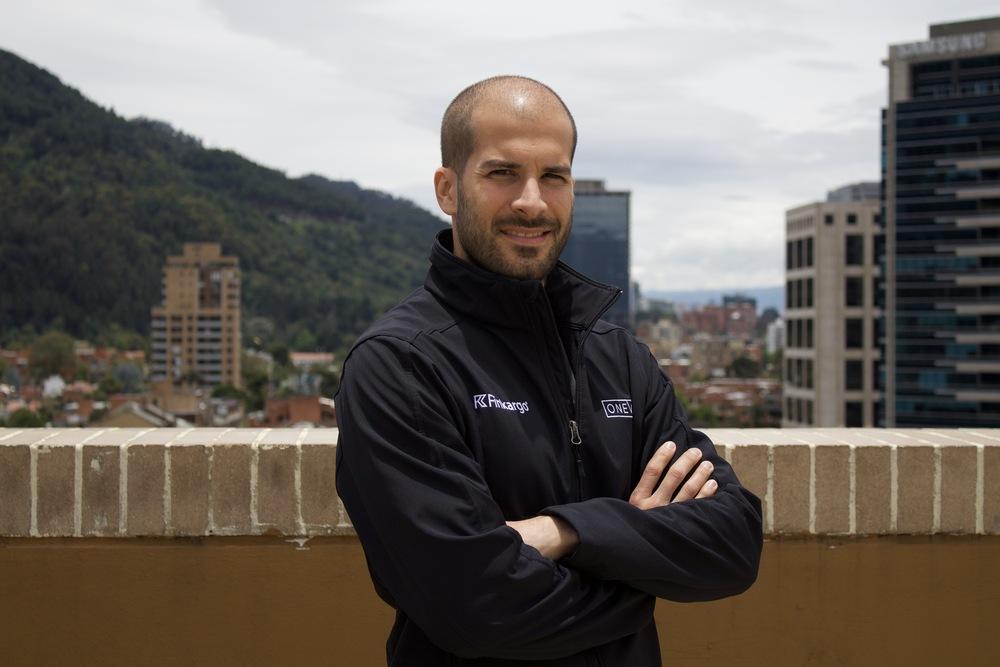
<point x="491" y="401"/>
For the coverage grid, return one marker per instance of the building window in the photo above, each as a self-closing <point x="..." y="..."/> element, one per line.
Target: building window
<point x="854" y="246"/>
<point x="809" y="412"/>
<point x="853" y="414"/>
<point x="809" y="373"/>
<point x="828" y="219"/>
<point x="852" y="219"/>
<point x="809" y="293"/>
<point x="789" y="264"/>
<point x="853" y="374"/>
<point x="854" y="333"/>
<point x="853" y="291"/>
<point x="809" y="333"/>
<point x="809" y="251"/>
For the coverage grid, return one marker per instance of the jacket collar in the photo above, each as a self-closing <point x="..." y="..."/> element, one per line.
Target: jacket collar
<point x="502" y="301"/>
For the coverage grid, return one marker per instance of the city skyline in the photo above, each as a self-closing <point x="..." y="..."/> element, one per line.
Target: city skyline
<point x="733" y="113"/>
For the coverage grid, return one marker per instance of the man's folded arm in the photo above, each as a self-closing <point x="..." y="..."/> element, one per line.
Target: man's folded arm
<point x="435" y="539"/>
<point x="699" y="549"/>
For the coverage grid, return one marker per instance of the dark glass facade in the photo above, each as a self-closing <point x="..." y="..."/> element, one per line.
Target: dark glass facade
<point x="941" y="163"/>
<point x="598" y="246"/>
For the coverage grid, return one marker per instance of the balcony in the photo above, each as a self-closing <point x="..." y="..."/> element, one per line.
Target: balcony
<point x="231" y="545"/>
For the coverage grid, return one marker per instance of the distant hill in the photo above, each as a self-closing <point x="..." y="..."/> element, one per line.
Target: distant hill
<point x="767" y="297"/>
<point x="91" y="204"/>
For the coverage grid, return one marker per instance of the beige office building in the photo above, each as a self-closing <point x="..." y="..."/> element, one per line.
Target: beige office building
<point x="831" y="309"/>
<point x="196" y="330"/>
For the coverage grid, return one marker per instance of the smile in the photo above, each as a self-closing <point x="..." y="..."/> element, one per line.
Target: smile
<point x="527" y="236"/>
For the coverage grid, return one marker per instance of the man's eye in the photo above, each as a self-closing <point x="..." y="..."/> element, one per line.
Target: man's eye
<point x="502" y="172"/>
<point x="554" y="176"/>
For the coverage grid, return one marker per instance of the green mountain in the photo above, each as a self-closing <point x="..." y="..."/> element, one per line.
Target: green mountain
<point x="91" y="204"/>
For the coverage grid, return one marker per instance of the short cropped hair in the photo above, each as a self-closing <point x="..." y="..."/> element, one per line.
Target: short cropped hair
<point x="457" y="135"/>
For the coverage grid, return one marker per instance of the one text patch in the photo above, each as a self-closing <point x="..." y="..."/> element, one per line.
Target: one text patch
<point x="618" y="407"/>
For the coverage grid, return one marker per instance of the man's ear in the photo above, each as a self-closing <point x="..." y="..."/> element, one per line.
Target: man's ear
<point x="446" y="189"/>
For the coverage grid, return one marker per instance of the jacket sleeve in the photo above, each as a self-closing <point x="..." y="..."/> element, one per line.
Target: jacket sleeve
<point x="699" y="549"/>
<point x="436" y="542"/>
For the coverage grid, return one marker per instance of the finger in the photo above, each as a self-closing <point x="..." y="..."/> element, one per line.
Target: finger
<point x="654" y="470"/>
<point x="696" y="481"/>
<point x="708" y="489"/>
<point x="678" y="472"/>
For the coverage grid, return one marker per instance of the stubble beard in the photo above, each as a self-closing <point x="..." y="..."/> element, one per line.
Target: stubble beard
<point x="481" y="243"/>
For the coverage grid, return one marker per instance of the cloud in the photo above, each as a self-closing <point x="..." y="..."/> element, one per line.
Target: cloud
<point x="717" y="116"/>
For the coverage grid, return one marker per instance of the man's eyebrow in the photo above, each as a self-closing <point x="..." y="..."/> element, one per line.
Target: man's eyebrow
<point x="561" y="169"/>
<point x="499" y="164"/>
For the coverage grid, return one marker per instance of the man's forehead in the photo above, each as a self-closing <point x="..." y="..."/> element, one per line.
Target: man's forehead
<point x="548" y="125"/>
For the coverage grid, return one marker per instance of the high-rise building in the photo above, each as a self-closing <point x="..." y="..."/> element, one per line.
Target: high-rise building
<point x="196" y="330"/>
<point x="831" y="309"/>
<point x="599" y="244"/>
<point x="941" y="176"/>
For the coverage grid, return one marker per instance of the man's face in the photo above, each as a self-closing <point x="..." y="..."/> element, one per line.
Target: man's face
<point x="515" y="194"/>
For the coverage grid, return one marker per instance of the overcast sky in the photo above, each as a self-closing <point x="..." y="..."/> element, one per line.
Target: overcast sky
<point x="718" y="115"/>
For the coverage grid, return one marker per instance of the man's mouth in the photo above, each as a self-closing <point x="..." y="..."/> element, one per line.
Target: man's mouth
<point x="526" y="237"/>
<point x="526" y="234"/>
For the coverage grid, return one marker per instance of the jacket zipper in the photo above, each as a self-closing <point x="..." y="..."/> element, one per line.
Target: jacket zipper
<point x="576" y="441"/>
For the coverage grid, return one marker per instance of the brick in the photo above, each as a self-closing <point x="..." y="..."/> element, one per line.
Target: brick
<point x="281" y="436"/>
<point x="750" y="464"/>
<point x="101" y="486"/>
<point x="29" y="436"/>
<point x="321" y="436"/>
<point x="231" y="489"/>
<point x="873" y="490"/>
<point x="276" y="505"/>
<point x="145" y="490"/>
<point x="56" y="490"/>
<point x="15" y="490"/>
<point x="189" y="490"/>
<point x="991" y="490"/>
<point x="791" y="489"/>
<point x="915" y="485"/>
<point x="240" y="436"/>
<point x="958" y="489"/>
<point x="319" y="492"/>
<point x="833" y="489"/>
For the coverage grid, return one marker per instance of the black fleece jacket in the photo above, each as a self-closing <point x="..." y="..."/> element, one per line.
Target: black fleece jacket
<point x="481" y="399"/>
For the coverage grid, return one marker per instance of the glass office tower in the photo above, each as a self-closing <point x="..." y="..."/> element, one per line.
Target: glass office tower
<point x="598" y="246"/>
<point x="941" y="261"/>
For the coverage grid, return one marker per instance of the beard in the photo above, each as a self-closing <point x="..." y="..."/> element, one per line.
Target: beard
<point x="481" y="241"/>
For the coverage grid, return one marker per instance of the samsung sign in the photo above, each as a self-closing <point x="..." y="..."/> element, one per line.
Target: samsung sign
<point x="942" y="46"/>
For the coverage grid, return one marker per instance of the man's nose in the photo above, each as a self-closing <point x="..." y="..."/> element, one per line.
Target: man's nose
<point x="529" y="202"/>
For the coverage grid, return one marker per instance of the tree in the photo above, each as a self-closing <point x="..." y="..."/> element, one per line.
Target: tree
<point x="53" y="353"/>
<point x="129" y="376"/>
<point x="743" y="367"/>
<point x="329" y="382"/>
<point x="25" y="418"/>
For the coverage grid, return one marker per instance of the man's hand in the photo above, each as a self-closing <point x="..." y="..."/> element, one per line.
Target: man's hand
<point x="552" y="536"/>
<point x="647" y="495"/>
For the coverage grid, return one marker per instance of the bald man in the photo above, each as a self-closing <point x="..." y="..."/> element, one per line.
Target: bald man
<point x="519" y="471"/>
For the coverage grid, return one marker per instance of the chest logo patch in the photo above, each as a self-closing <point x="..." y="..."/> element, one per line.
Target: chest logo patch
<point x="618" y="408"/>
<point x="490" y="401"/>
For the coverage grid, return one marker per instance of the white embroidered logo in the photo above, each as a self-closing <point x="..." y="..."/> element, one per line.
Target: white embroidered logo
<point x="620" y="408"/>
<point x="491" y="401"/>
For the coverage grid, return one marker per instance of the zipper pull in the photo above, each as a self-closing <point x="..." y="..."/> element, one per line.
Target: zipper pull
<point x="574" y="437"/>
<point x="574" y="433"/>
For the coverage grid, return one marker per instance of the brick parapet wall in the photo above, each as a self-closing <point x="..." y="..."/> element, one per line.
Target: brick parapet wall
<point x="204" y="481"/>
